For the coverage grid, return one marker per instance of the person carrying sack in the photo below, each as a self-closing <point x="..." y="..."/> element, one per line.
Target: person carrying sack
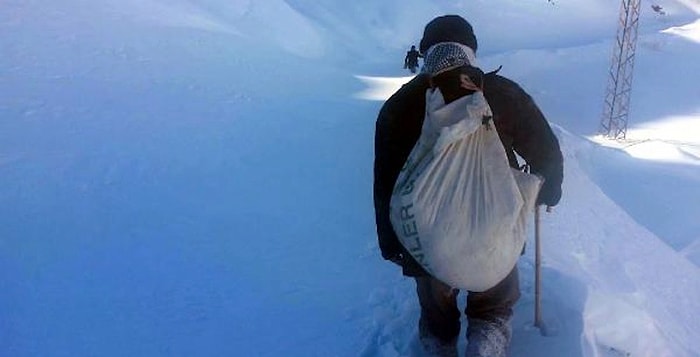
<point x="429" y="129"/>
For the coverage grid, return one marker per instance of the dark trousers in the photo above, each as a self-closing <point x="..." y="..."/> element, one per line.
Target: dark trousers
<point x="439" y="313"/>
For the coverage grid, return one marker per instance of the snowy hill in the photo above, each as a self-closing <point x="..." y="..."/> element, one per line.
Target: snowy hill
<point x="193" y="177"/>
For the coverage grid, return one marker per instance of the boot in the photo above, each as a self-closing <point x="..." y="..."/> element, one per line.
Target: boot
<point x="433" y="347"/>
<point x="488" y="338"/>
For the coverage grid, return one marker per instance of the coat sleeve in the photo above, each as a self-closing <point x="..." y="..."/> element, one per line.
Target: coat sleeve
<point x="397" y="129"/>
<point x="535" y="142"/>
<point x="386" y="152"/>
<point x="525" y="131"/>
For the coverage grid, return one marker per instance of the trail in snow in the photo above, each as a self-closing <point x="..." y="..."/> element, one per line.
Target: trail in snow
<point x="168" y="188"/>
<point x="601" y="294"/>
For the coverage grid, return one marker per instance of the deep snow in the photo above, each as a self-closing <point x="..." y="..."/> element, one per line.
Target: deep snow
<point x="193" y="177"/>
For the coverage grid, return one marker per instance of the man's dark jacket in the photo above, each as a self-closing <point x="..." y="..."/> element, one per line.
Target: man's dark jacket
<point x="521" y="127"/>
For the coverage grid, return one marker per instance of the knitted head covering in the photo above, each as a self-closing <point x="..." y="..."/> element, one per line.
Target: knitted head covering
<point x="448" y="28"/>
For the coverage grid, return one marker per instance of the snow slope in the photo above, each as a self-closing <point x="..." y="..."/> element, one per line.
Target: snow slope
<point x="193" y="177"/>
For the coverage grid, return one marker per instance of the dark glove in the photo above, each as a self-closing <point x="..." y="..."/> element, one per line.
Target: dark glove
<point x="550" y="194"/>
<point x="452" y="83"/>
<point x="409" y="266"/>
<point x="397" y="259"/>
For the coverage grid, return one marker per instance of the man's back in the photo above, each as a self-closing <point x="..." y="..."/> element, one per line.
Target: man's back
<point x="521" y="126"/>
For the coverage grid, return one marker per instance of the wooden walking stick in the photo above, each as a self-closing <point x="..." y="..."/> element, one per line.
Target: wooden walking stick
<point x="539" y="323"/>
<point x="538" y="263"/>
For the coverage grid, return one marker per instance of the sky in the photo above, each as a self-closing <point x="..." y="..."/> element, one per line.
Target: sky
<point x="194" y="177"/>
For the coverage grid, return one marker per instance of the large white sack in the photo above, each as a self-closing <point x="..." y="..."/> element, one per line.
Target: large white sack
<point x="457" y="206"/>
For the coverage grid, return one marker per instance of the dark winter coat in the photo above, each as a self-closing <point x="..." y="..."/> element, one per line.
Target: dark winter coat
<point x="521" y="126"/>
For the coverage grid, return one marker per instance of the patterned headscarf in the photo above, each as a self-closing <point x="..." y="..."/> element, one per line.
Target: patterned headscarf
<point x="445" y="56"/>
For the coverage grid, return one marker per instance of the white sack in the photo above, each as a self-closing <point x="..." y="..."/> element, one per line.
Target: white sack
<point x="457" y="206"/>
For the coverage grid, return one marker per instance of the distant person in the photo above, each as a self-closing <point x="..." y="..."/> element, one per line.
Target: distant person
<point x="449" y="48"/>
<point x="411" y="60"/>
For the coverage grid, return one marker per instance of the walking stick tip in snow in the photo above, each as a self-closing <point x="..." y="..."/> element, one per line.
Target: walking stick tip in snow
<point x="538" y="274"/>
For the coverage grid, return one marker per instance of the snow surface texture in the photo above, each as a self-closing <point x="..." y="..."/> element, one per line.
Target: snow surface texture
<point x="193" y="177"/>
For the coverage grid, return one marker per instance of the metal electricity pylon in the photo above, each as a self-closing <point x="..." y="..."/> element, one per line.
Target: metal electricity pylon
<point x="617" y="98"/>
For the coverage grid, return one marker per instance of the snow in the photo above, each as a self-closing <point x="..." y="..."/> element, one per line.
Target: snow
<point x="193" y="177"/>
<point x="690" y="31"/>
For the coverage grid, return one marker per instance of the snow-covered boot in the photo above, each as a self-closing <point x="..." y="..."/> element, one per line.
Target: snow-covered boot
<point x="488" y="338"/>
<point x="433" y="347"/>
